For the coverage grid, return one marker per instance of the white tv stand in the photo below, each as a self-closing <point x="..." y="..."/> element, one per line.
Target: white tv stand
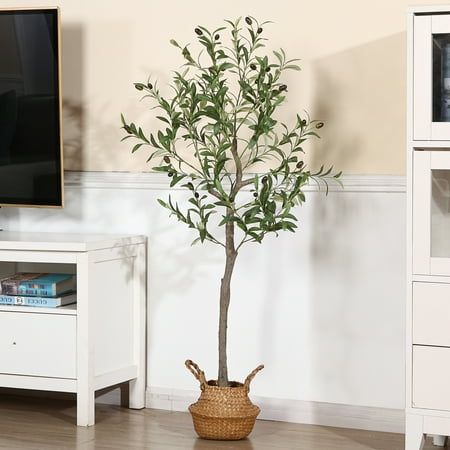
<point x="97" y="342"/>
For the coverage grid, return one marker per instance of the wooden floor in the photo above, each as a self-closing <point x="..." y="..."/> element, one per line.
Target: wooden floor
<point x="42" y="424"/>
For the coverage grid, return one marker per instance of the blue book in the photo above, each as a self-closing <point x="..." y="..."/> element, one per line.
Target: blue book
<point x="47" y="285"/>
<point x="43" y="302"/>
<point x="7" y="299"/>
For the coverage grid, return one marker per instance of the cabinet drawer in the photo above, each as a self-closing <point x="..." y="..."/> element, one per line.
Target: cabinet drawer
<point x="431" y="375"/>
<point x="38" y="344"/>
<point x="431" y="314"/>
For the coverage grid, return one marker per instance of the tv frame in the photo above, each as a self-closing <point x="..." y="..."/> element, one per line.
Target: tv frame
<point x="59" y="103"/>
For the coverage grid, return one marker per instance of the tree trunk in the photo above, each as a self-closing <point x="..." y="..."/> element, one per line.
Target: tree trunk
<point x="231" y="255"/>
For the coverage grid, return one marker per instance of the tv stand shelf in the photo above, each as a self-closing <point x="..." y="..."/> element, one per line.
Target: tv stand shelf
<point x="70" y="310"/>
<point x="96" y="343"/>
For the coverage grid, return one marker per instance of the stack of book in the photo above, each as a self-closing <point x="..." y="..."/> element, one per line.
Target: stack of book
<point x="48" y="290"/>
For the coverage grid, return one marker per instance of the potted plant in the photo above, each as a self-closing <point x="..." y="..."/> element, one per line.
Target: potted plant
<point x="216" y="126"/>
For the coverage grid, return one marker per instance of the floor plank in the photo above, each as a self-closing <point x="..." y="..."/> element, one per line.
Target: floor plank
<point x="48" y="424"/>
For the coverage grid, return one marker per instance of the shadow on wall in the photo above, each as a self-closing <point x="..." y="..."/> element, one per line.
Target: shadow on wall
<point x="360" y="95"/>
<point x="177" y="271"/>
<point x="72" y="94"/>
<point x="356" y="314"/>
<point x="111" y="74"/>
<point x="191" y="262"/>
<point x="332" y="298"/>
<point x="73" y="116"/>
<point x="89" y="127"/>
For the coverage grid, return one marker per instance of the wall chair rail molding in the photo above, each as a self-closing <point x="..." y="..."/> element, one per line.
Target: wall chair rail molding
<point x="159" y="181"/>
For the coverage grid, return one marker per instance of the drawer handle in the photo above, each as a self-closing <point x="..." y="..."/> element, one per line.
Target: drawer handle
<point x="14" y="343"/>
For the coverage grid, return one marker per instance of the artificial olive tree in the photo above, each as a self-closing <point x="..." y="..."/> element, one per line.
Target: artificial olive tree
<point x="217" y="125"/>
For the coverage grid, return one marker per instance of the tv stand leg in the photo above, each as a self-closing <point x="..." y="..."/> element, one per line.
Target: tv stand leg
<point x="439" y="441"/>
<point x="137" y="393"/>
<point x="137" y="385"/>
<point x="414" y="435"/>
<point x="85" y="408"/>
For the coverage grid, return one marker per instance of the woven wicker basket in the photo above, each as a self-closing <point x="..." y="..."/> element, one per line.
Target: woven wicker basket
<point x="223" y="413"/>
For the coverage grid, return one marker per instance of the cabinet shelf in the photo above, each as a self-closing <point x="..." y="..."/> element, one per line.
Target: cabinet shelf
<point x="431" y="145"/>
<point x="66" y="310"/>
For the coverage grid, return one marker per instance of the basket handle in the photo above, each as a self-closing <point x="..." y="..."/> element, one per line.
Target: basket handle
<point x="250" y="377"/>
<point x="197" y="372"/>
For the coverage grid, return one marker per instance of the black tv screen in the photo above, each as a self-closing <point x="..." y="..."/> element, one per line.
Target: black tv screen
<point x="30" y="108"/>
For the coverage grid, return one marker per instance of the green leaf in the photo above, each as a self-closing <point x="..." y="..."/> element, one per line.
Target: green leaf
<point x="222" y="203"/>
<point x="279" y="57"/>
<point x="293" y="67"/>
<point x="163" y="119"/>
<point x="136" y="147"/>
<point x="175" y="179"/>
<point x="153" y="141"/>
<point x="219" y="187"/>
<point x="161" y="168"/>
<point x="241" y="225"/>
<point x="225" y="220"/>
<point x="226" y="66"/>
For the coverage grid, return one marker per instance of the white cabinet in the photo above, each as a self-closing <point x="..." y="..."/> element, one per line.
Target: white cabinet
<point x="96" y="343"/>
<point x="428" y="230"/>
<point x="431" y="61"/>
<point x="431" y="212"/>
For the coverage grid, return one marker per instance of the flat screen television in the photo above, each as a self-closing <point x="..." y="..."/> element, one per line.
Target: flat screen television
<point x="31" y="154"/>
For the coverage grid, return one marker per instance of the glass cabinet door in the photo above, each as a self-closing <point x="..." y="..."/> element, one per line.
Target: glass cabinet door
<point x="441" y="77"/>
<point x="431" y="77"/>
<point x="440" y="213"/>
<point x="431" y="213"/>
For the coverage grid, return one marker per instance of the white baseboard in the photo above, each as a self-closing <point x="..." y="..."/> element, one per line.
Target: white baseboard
<point x="296" y="411"/>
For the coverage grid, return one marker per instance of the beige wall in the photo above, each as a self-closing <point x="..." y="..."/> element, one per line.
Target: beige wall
<point x="353" y="59"/>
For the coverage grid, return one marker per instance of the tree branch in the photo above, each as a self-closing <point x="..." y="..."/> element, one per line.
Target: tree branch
<point x="244" y="183"/>
<point x="238" y="164"/>
<point x="214" y="193"/>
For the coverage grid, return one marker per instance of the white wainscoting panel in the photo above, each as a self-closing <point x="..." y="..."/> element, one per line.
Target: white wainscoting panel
<point x="323" y="308"/>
